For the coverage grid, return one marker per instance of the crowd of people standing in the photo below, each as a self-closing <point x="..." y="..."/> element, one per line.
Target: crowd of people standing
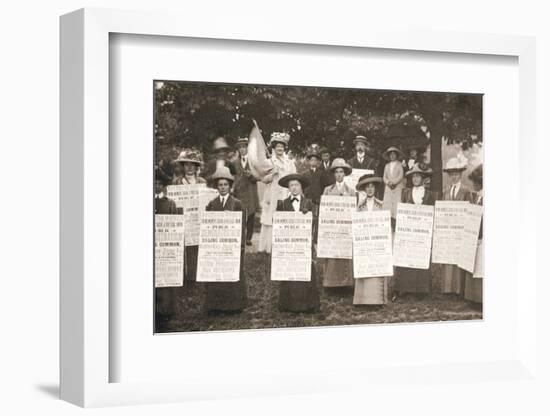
<point x="395" y="178"/>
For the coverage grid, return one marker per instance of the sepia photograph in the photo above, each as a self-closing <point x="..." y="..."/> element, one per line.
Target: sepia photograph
<point x="292" y="206"/>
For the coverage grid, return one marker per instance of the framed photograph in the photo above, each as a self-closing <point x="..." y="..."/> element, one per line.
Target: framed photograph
<point x="267" y="213"/>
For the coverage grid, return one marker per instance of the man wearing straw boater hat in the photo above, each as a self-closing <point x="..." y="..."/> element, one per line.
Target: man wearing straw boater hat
<point x="220" y="148"/>
<point x="453" y="277"/>
<point x="362" y="158"/>
<point x="246" y="188"/>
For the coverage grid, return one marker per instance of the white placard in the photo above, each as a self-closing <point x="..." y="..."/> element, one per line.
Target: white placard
<point x="372" y="244"/>
<point x="470" y="235"/>
<point x="291" y="248"/>
<point x="191" y="198"/>
<point x="206" y="194"/>
<point x="449" y="220"/>
<point x="334" y="240"/>
<point x="220" y="246"/>
<point x="352" y="179"/>
<point x="413" y="236"/>
<point x="169" y="249"/>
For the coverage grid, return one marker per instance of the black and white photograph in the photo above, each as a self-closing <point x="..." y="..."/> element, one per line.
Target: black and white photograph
<point x="293" y="206"/>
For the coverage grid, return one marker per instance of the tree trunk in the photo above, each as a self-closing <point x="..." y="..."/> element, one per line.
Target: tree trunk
<point x="435" y="160"/>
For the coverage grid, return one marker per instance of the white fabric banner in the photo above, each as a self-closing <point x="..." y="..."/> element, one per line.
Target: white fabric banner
<point x="291" y="249"/>
<point x="413" y="236"/>
<point x="219" y="246"/>
<point x="169" y="249"/>
<point x="372" y="244"/>
<point x="448" y="227"/>
<point x="334" y="239"/>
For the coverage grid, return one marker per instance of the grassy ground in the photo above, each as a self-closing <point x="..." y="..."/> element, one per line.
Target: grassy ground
<point x="336" y="306"/>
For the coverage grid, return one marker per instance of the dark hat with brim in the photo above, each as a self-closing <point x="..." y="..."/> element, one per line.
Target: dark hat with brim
<point x="294" y="177"/>
<point x="366" y="179"/>
<point x="313" y="153"/>
<point x="241" y="141"/>
<point x="220" y="144"/>
<point x="386" y="154"/>
<point x="420" y="168"/>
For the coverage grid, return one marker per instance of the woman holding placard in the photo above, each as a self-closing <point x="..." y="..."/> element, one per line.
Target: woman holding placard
<point x="189" y="162"/>
<point x="338" y="273"/>
<point x="393" y="178"/>
<point x="409" y="280"/>
<point x="453" y="277"/>
<point x="297" y="296"/>
<point x="473" y="286"/>
<point x="226" y="296"/>
<point x="370" y="290"/>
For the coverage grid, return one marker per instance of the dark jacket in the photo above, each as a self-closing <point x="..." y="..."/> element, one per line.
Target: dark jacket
<point x="327" y="178"/>
<point x="429" y="197"/>
<point x="246" y="188"/>
<point x="463" y="194"/>
<point x="368" y="163"/>
<point x="232" y="204"/>
<point x="286" y="205"/>
<point x="315" y="188"/>
<point x="165" y="205"/>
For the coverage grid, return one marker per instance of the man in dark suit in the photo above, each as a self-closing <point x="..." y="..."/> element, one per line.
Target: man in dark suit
<point x="327" y="178"/>
<point x="246" y="188"/>
<point x="363" y="158"/>
<point x="163" y="204"/>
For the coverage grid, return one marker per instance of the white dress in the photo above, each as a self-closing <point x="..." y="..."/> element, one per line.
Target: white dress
<point x="273" y="192"/>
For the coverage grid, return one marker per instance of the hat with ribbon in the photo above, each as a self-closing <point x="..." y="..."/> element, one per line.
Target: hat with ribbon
<point x="313" y="151"/>
<point x="241" y="141"/>
<point x="420" y="168"/>
<point x="340" y="163"/>
<point x="296" y="177"/>
<point x="366" y="179"/>
<point x="361" y="139"/>
<point x="390" y="149"/>
<point x="454" y="165"/>
<point x="190" y="156"/>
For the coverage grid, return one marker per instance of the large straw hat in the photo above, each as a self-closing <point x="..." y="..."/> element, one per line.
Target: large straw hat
<point x="365" y="179"/>
<point x="420" y="168"/>
<point x="454" y="165"/>
<point x="220" y="144"/>
<point x="340" y="163"/>
<point x="390" y="149"/>
<point x="278" y="137"/>
<point x="222" y="172"/>
<point x="294" y="176"/>
<point x="189" y="155"/>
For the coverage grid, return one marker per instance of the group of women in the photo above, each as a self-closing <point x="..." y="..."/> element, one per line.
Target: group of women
<point x="285" y="192"/>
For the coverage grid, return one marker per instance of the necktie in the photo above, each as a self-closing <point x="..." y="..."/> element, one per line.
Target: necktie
<point x="294" y="200"/>
<point x="453" y="192"/>
<point x="222" y="200"/>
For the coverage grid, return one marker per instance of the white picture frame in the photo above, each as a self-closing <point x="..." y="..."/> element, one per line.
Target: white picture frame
<point x="85" y="265"/>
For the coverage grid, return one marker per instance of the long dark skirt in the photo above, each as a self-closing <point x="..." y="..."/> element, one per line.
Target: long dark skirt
<point x="226" y="296"/>
<point x="473" y="289"/>
<point x="299" y="296"/>
<point x="452" y="279"/>
<point x="191" y="258"/>
<point x="409" y="280"/>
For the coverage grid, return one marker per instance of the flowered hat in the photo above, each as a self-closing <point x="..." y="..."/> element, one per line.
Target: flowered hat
<point x="454" y="165"/>
<point x="191" y="156"/>
<point x="421" y="168"/>
<point x="277" y="137"/>
<point x="340" y="163"/>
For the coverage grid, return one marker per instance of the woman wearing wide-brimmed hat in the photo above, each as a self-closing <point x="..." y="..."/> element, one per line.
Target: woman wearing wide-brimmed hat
<point x="473" y="286"/>
<point x="408" y="280"/>
<point x="273" y="192"/>
<point x="393" y="178"/>
<point x="190" y="160"/>
<point x="370" y="290"/>
<point x="453" y="277"/>
<point x="298" y="296"/>
<point x="338" y="273"/>
<point x="226" y="296"/>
